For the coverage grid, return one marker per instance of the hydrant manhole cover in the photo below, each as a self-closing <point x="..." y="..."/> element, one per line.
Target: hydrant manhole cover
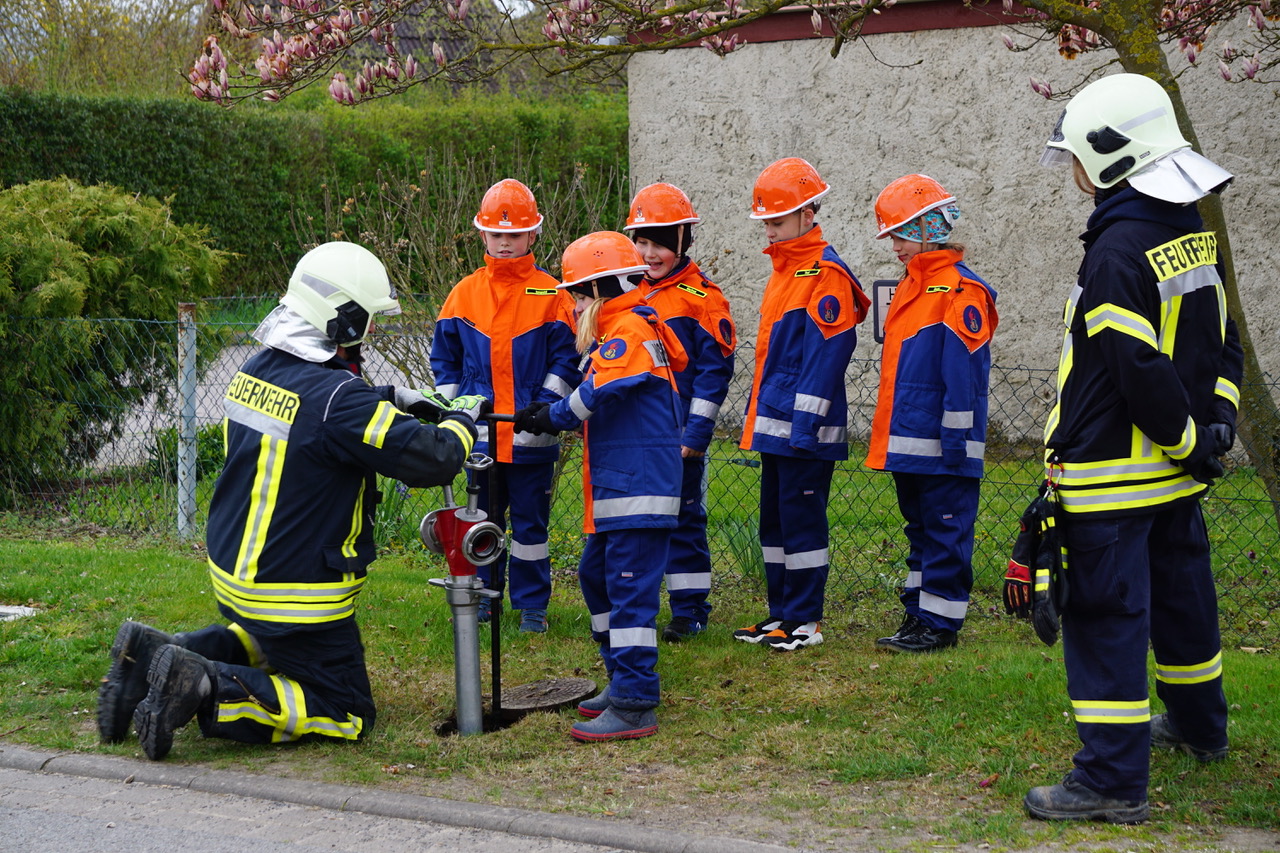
<point x="549" y="694"/>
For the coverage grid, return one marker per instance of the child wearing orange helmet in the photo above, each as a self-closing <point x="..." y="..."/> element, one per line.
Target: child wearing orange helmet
<point x="661" y="223"/>
<point x="930" y="424"/>
<point x="504" y="334"/>
<point x="796" y="417"/>
<point x="629" y="410"/>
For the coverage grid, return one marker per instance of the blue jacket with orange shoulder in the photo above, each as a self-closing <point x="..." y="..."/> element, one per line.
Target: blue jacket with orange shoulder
<point x="931" y="412"/>
<point x="629" y="410"/>
<point x="504" y="334"/>
<point x="808" y="316"/>
<point x="696" y="310"/>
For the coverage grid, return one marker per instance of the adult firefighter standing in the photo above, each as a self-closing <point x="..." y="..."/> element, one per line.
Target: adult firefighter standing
<point x="661" y="223"/>
<point x="1148" y="386"/>
<point x="290" y="532"/>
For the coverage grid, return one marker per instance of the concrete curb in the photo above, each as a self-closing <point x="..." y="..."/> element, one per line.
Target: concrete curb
<point x="380" y="803"/>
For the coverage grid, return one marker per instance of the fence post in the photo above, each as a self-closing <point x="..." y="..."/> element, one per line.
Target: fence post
<point x="187" y="418"/>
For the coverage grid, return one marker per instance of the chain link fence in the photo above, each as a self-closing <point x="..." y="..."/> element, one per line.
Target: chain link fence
<point x="131" y="480"/>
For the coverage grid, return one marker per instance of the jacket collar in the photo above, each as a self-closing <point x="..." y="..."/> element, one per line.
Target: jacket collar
<point x="798" y="249"/>
<point x="1129" y="204"/>
<point x="510" y="269"/>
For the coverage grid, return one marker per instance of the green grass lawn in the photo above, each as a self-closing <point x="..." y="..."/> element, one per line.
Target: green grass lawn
<point x="814" y="747"/>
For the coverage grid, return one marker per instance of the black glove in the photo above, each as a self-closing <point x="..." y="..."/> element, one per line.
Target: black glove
<point x="424" y="404"/>
<point x="1202" y="463"/>
<point x="1224" y="436"/>
<point x="535" y="418"/>
<point x="1051" y="591"/>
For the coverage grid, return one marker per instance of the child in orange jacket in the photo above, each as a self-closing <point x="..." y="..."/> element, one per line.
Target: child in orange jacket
<point x="930" y="424"/>
<point x="503" y="333"/>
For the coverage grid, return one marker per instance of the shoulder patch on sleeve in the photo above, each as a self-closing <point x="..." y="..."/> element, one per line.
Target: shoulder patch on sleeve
<point x="725" y="328"/>
<point x="829" y="310"/>
<point x="613" y="349"/>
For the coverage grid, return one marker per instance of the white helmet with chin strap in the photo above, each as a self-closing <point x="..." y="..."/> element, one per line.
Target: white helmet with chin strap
<point x="338" y="288"/>
<point x="1123" y="127"/>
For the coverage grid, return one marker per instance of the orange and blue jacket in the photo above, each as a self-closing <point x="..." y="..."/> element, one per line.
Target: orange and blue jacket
<point x="629" y="411"/>
<point x="808" y="316"/>
<point x="504" y="334"/>
<point x="695" y="309"/>
<point x="931" y="412"/>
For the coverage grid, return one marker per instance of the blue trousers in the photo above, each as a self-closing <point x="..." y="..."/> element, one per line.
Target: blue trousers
<point x="621" y="578"/>
<point x="524" y="493"/>
<point x="794" y="535"/>
<point x="305" y="685"/>
<point x="940" y="511"/>
<point x="689" y="560"/>
<point x="1134" y="581"/>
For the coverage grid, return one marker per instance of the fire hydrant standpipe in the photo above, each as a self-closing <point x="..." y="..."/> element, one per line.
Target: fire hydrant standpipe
<point x="467" y="539"/>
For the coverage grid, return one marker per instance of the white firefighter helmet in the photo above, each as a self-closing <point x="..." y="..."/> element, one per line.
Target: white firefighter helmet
<point x="338" y="288"/>
<point x="1123" y="127"/>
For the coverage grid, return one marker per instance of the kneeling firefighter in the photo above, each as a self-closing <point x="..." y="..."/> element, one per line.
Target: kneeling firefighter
<point x="290" y="531"/>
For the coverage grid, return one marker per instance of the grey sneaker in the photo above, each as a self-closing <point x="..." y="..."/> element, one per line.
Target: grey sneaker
<point x="921" y="638"/>
<point x="533" y="621"/>
<point x="1069" y="800"/>
<point x="182" y="682"/>
<point x="596" y="705"/>
<point x="1165" y="736"/>
<point x="125" y="684"/>
<point x="617" y="724"/>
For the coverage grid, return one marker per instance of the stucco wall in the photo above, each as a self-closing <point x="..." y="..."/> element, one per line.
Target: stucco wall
<point x="954" y="104"/>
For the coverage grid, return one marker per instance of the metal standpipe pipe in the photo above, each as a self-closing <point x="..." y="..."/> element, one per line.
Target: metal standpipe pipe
<point x="467" y="539"/>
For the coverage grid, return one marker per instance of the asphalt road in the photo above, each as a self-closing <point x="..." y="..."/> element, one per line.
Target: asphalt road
<point x="55" y="813"/>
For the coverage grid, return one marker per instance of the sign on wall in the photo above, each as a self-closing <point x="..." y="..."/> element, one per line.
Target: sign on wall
<point x="881" y="295"/>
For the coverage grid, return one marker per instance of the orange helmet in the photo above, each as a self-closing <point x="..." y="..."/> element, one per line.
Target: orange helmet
<point x="908" y="198"/>
<point x="602" y="254"/>
<point x="508" y="207"/>
<point x="785" y="187"/>
<point x="660" y="204"/>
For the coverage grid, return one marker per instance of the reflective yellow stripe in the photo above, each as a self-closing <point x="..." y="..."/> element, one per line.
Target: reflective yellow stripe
<point x="251" y="647"/>
<point x="1193" y="674"/>
<point x="375" y="432"/>
<point x="289" y="721"/>
<point x="277" y="602"/>
<point x="1228" y="390"/>
<point x="1109" y="316"/>
<point x="357" y="524"/>
<point x="1100" y="711"/>
<point x="1129" y="497"/>
<point x="461" y="432"/>
<point x="1187" y="444"/>
<point x="262" y="503"/>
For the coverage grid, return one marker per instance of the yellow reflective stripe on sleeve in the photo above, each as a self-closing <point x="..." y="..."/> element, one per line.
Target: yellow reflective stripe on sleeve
<point x="1228" y="391"/>
<point x="1131" y="323"/>
<point x="375" y="432"/>
<point x="461" y="432"/>
<point x="1100" y="711"/>
<point x="1193" y="674"/>
<point x="1183" y="448"/>
<point x="262" y="503"/>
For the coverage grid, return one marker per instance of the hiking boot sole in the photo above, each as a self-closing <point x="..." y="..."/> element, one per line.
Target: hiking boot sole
<point x="1134" y="814"/>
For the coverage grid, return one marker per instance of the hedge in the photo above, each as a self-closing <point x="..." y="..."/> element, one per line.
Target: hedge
<point x="249" y="173"/>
